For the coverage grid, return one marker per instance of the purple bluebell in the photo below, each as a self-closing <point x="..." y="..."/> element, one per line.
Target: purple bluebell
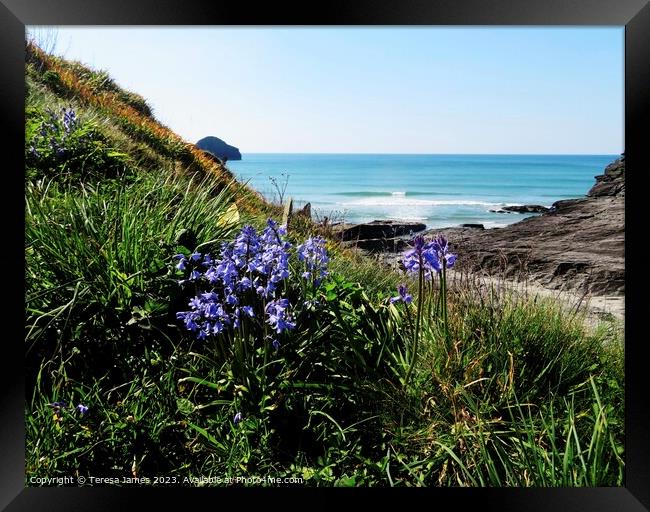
<point x="82" y="408"/>
<point x="254" y="261"/>
<point x="182" y="260"/>
<point x="237" y="418"/>
<point x="403" y="296"/>
<point x="277" y="315"/>
<point x="313" y="253"/>
<point x="422" y="256"/>
<point x="440" y="246"/>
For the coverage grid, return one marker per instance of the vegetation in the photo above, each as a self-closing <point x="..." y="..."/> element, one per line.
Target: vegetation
<point x="172" y="329"/>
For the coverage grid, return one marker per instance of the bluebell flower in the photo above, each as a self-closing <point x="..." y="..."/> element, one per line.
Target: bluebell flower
<point x="276" y="345"/>
<point x="237" y="418"/>
<point x="217" y="327"/>
<point x="313" y="253"/>
<point x="277" y="315"/>
<point x="69" y="119"/>
<point x="82" y="408"/>
<point x="209" y="296"/>
<point x="440" y="246"/>
<point x="182" y="260"/>
<point x="423" y="256"/>
<point x="253" y="261"/>
<point x="403" y="296"/>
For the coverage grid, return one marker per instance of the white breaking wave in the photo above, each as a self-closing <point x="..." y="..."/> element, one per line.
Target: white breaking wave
<point x="398" y="194"/>
<point x="406" y="217"/>
<point x="397" y="200"/>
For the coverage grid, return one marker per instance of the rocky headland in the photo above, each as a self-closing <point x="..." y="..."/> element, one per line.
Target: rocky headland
<point x="219" y="148"/>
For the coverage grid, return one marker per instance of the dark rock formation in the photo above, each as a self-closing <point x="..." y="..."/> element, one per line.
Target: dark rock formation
<point x="305" y="211"/>
<point x="526" y="208"/>
<point x="379" y="235"/>
<point x="387" y="245"/>
<point x="475" y="226"/>
<point x="381" y="229"/>
<point x="219" y="148"/>
<point x="577" y="245"/>
<point x="612" y="182"/>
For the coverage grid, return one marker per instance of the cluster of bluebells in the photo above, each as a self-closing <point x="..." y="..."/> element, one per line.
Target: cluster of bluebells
<point x="314" y="255"/>
<point x="429" y="257"/>
<point x="248" y="272"/>
<point x="54" y="132"/>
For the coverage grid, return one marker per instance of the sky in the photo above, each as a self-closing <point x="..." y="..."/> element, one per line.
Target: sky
<point x="458" y="90"/>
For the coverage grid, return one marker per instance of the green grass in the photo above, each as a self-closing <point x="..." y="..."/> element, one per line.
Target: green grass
<point x="518" y="393"/>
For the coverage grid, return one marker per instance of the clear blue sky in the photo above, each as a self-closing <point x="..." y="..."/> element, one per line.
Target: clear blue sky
<point x="373" y="90"/>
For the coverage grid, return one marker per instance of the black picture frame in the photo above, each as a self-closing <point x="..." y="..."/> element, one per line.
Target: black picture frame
<point x="633" y="14"/>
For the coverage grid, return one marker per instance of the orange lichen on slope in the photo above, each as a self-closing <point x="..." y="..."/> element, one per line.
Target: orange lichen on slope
<point x="144" y="126"/>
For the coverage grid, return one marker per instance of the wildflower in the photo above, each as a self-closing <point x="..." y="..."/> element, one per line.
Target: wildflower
<point x="237" y="418"/>
<point x="182" y="260"/>
<point x="82" y="408"/>
<point x="419" y="256"/>
<point x="403" y="296"/>
<point x="276" y="345"/>
<point x="440" y="246"/>
<point x="314" y="255"/>
<point x="253" y="261"/>
<point x="277" y="315"/>
<point x="246" y="246"/>
<point x="69" y="119"/>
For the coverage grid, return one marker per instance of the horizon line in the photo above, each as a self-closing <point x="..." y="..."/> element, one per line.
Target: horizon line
<point x="423" y="154"/>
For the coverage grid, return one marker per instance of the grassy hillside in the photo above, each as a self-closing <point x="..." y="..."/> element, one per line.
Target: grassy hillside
<point x="173" y="328"/>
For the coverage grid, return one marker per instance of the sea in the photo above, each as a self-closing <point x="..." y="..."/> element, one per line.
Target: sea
<point x="437" y="190"/>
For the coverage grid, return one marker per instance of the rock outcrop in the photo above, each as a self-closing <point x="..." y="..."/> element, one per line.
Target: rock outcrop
<point x="578" y="244"/>
<point x="219" y="148"/>
<point x="380" y="235"/>
<point x="381" y="229"/>
<point x="611" y="182"/>
<point x="526" y="208"/>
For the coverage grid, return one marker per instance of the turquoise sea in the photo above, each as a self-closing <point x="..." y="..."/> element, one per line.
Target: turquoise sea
<point x="439" y="190"/>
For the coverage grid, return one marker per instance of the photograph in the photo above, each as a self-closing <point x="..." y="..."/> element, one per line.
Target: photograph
<point x="272" y="252"/>
<point x="324" y="256"/>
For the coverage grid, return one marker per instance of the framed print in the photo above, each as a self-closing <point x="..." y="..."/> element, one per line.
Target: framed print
<point x="368" y="245"/>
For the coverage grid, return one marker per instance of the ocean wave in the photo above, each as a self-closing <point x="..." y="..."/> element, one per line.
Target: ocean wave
<point x="406" y="217"/>
<point x="406" y="201"/>
<point x="374" y="193"/>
